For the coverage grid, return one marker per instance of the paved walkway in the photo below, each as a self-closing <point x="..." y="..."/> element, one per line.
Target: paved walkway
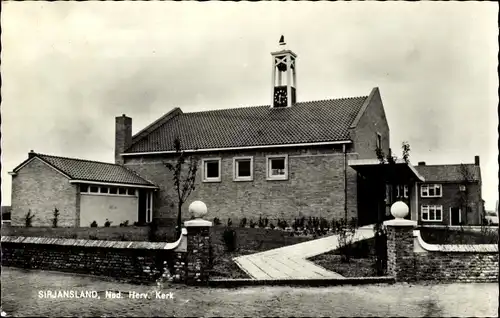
<point x="290" y="262"/>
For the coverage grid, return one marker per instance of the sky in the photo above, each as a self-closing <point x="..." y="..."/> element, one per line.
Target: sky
<point x="69" y="68"/>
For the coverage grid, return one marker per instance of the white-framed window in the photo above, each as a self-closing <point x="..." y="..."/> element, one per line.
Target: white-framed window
<point x="462" y="188"/>
<point x="431" y="191"/>
<point x="379" y="140"/>
<point x="431" y="213"/>
<point x="277" y="167"/>
<point x="243" y="168"/>
<point x="402" y="191"/>
<point x="211" y="170"/>
<point x="106" y="190"/>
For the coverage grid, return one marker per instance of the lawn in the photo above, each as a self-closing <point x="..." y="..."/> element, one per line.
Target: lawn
<point x="20" y="298"/>
<point x="449" y="236"/>
<point x="361" y="263"/>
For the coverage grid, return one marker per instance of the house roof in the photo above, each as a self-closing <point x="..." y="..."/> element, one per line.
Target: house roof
<point x="305" y="122"/>
<point x="87" y="170"/>
<point x="450" y="173"/>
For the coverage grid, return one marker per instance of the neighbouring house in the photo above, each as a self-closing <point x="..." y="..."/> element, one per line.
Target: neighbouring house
<point x="82" y="191"/>
<point x="284" y="160"/>
<point x="450" y="195"/>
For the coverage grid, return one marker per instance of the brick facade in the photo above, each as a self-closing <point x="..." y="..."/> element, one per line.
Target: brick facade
<point x="372" y="121"/>
<point x="40" y="188"/>
<point x="315" y="185"/>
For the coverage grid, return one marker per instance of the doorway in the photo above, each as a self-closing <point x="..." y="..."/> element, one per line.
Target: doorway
<point x="455" y="217"/>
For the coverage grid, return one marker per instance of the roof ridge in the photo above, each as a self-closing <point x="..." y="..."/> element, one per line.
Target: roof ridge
<point x="257" y="106"/>
<point x="77" y="159"/>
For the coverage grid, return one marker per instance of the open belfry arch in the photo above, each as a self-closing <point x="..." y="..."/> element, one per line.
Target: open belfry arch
<point x="284" y="76"/>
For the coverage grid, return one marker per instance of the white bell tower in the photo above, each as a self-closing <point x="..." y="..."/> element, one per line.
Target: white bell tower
<point x="284" y="73"/>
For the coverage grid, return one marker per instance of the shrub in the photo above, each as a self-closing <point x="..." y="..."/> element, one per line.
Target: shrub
<point x="152" y="231"/>
<point x="92" y="237"/>
<point x="229" y="238"/>
<point x="229" y="222"/>
<point x="28" y="218"/>
<point x="122" y="237"/>
<point x="243" y="222"/>
<point x="261" y="221"/>
<point x="252" y="224"/>
<point x="93" y="224"/>
<point x="56" y="217"/>
<point x="216" y="221"/>
<point x="124" y="224"/>
<point x="107" y="223"/>
<point x="345" y="240"/>
<point x="266" y="222"/>
<point x="271" y="225"/>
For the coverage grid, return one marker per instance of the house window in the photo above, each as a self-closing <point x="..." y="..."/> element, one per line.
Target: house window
<point x="379" y="141"/>
<point x="130" y="191"/>
<point x="104" y="190"/>
<point x="430" y="191"/>
<point x="462" y="187"/>
<point x="277" y="167"/>
<point x="402" y="191"/>
<point x="243" y="168"/>
<point x="432" y="212"/>
<point x="84" y="188"/>
<point x="211" y="170"/>
<point x="94" y="189"/>
<point x="113" y="190"/>
<point x="122" y="191"/>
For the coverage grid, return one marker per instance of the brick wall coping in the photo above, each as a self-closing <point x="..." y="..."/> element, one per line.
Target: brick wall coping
<point x="178" y="245"/>
<point x="476" y="228"/>
<point x="421" y="246"/>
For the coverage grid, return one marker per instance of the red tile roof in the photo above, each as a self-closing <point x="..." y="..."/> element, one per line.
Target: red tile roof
<point x="79" y="169"/>
<point x="449" y="173"/>
<point x="305" y="122"/>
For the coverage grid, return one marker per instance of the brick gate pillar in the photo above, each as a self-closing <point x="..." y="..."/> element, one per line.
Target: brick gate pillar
<point x="400" y="256"/>
<point x="197" y="258"/>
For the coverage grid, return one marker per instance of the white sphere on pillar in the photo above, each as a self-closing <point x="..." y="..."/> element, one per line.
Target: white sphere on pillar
<point x="399" y="210"/>
<point x="198" y="209"/>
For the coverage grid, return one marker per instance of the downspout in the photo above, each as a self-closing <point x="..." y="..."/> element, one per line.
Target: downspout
<point x="345" y="181"/>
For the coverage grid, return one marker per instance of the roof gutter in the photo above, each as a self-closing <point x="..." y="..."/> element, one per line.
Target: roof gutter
<point x="241" y="148"/>
<point x="114" y="184"/>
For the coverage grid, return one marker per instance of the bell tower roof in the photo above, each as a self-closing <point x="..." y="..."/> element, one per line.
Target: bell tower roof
<point x="283" y="48"/>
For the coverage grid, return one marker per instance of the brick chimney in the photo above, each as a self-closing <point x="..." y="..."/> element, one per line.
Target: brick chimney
<point x="476" y="160"/>
<point x="123" y="136"/>
<point x="31" y="154"/>
<point x="421" y="163"/>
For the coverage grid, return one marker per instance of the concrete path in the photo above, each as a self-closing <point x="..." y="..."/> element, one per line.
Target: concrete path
<point x="290" y="262"/>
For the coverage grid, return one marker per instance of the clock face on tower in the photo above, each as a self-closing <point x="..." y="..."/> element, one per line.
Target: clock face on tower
<point x="280" y="97"/>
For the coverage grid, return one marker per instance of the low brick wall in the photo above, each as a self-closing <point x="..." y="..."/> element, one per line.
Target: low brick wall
<point x="140" y="262"/>
<point x="187" y="260"/>
<point x="410" y="258"/>
<point x="451" y="263"/>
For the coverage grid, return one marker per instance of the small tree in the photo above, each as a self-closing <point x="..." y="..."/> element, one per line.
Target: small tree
<point x="466" y="179"/>
<point x="28" y="218"/>
<point x="345" y="239"/>
<point x="184" y="183"/>
<point x="55" y="219"/>
<point x="387" y="179"/>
